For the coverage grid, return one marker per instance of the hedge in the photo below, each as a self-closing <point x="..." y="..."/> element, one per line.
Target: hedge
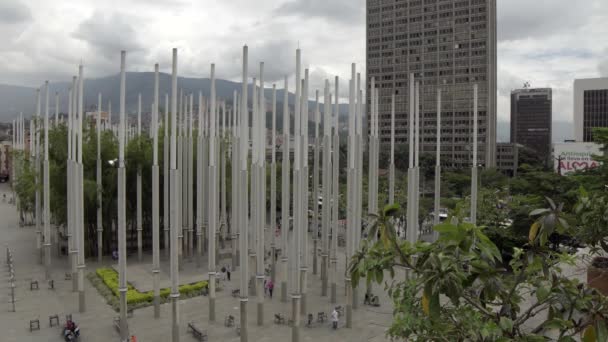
<point x="110" y="278"/>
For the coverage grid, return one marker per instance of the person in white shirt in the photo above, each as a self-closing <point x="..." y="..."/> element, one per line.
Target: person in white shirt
<point x="335" y="318"/>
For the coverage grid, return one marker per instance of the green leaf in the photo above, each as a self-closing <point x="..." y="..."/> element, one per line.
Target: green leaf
<point x="589" y="334"/>
<point x="542" y="292"/>
<point x="601" y="330"/>
<point x="506" y="324"/>
<point x="538" y="212"/>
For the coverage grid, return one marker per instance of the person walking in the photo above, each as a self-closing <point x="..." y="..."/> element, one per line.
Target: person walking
<point x="270" y="288"/>
<point x="335" y="318"/>
<point x="228" y="272"/>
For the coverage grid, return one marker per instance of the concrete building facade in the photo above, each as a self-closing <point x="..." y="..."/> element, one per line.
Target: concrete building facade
<point x="590" y="107"/>
<point x="446" y="44"/>
<point x="531" y="118"/>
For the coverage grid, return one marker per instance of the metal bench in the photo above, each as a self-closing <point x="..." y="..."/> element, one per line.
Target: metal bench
<point x="229" y="321"/>
<point x="53" y="320"/>
<point x="34" y="324"/>
<point x="199" y="334"/>
<point x="321" y="317"/>
<point x="279" y="319"/>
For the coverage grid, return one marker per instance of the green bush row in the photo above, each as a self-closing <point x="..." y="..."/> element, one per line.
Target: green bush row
<point x="110" y="278"/>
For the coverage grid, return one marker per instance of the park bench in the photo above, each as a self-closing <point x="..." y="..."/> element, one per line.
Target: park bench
<point x="279" y="319"/>
<point x="34" y="324"/>
<point x="321" y="317"/>
<point x="53" y="320"/>
<point x="116" y="324"/>
<point x="229" y="321"/>
<point x="199" y="334"/>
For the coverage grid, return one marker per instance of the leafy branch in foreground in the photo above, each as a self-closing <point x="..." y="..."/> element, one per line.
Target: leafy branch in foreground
<point x="457" y="290"/>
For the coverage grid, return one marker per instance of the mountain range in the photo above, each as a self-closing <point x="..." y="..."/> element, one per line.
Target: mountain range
<point x="17" y="99"/>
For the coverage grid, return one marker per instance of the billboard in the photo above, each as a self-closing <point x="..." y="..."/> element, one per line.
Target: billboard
<point x="575" y="156"/>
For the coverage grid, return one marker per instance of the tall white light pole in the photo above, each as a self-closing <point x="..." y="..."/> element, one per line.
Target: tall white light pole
<point x="35" y="138"/>
<point x="410" y="233"/>
<point x="327" y="187"/>
<point x="199" y="184"/>
<point x="139" y="208"/>
<point x="213" y="204"/>
<point x="166" y="146"/>
<point x="175" y="206"/>
<point x="273" y="187"/>
<point x="122" y="204"/>
<point x="190" y="161"/>
<point x="304" y="194"/>
<point x="99" y="184"/>
<point x="285" y="196"/>
<point x="335" y="195"/>
<point x="234" y="197"/>
<point x="438" y="162"/>
<point x="244" y="200"/>
<point x="315" y="194"/>
<point x="350" y="197"/>
<point x="155" y="199"/>
<point x="391" y="181"/>
<point x="80" y="190"/>
<point x="295" y="248"/>
<point x="474" y="166"/>
<point x="46" y="200"/>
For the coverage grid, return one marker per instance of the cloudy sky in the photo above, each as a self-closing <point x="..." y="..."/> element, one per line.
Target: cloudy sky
<point x="545" y="42"/>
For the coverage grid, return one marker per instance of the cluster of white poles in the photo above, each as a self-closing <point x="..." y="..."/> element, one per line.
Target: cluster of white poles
<point x="248" y="224"/>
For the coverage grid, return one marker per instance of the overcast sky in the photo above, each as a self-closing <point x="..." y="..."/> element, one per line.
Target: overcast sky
<point x="545" y="42"/>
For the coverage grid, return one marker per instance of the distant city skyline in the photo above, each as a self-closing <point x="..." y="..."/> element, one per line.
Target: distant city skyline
<point x="548" y="43"/>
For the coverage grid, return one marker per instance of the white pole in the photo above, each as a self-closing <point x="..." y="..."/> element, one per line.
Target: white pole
<point x="410" y="234"/>
<point x="81" y="262"/>
<point x="243" y="206"/>
<point x="122" y="210"/>
<point x="155" y="198"/>
<point x="335" y="194"/>
<point x="295" y="248"/>
<point x="35" y="138"/>
<point x="46" y="199"/>
<point x="391" y="196"/>
<point x="350" y="231"/>
<point x="315" y="195"/>
<point x="438" y="162"/>
<point x="175" y="205"/>
<point x="273" y="187"/>
<point x="139" y="189"/>
<point x="199" y="183"/>
<point x="285" y="196"/>
<point x="166" y="146"/>
<point x="99" y="185"/>
<point x="304" y="194"/>
<point x="213" y="226"/>
<point x="474" y="166"/>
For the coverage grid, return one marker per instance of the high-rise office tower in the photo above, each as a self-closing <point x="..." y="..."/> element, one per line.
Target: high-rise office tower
<point x="447" y="44"/>
<point x="590" y="107"/>
<point x="531" y="117"/>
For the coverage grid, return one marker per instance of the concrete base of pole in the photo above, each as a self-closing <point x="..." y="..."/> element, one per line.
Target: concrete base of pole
<point x="324" y="275"/>
<point x="99" y="246"/>
<point x="349" y="308"/>
<point x="166" y="238"/>
<point x="355" y="298"/>
<point x="124" y="326"/>
<point x="211" y="296"/>
<point x="81" y="297"/>
<point x="260" y="294"/>
<point x="303" y="279"/>
<point x="243" y="313"/>
<point x="273" y="265"/>
<point x="74" y="281"/>
<point x="252" y="264"/>
<point x="81" y="302"/>
<point x="334" y="293"/>
<point x="139" y="245"/>
<point x="156" y="306"/>
<point x="295" y="314"/>
<point x="314" y="257"/>
<point x="174" y="318"/>
<point x="156" y="281"/>
<point x="47" y="261"/>
<point x="284" y="291"/>
<point x="260" y="314"/>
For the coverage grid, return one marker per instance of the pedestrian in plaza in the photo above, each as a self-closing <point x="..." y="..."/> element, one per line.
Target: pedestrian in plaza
<point x="228" y="272"/>
<point x="270" y="286"/>
<point x="335" y="318"/>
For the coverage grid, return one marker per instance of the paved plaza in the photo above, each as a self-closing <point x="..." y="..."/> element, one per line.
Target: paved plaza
<point x="369" y="323"/>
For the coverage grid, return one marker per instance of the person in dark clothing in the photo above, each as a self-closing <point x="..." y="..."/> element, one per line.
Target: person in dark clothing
<point x="228" y="272"/>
